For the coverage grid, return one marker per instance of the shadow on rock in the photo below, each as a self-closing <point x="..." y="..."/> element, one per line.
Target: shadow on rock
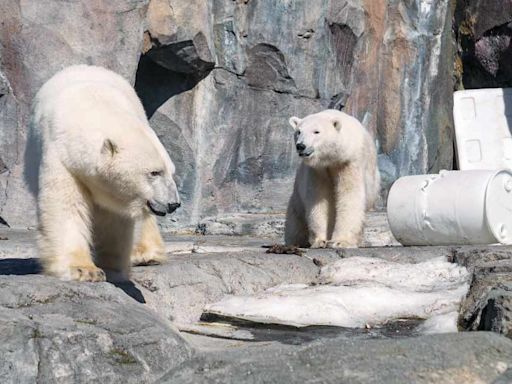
<point x="131" y="290"/>
<point x="32" y="266"/>
<point x="155" y="84"/>
<point x="32" y="158"/>
<point x="20" y="266"/>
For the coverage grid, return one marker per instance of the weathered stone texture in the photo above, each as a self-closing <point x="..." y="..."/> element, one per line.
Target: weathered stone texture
<point x="220" y="78"/>
<point x="483" y="31"/>
<point x="389" y="64"/>
<point x="488" y="306"/>
<point x="57" y="332"/>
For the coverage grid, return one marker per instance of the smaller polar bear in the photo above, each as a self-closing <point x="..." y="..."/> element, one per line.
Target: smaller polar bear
<point x="337" y="181"/>
<point x="102" y="171"/>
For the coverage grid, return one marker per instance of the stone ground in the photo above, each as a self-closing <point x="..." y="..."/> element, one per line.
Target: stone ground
<point x="153" y="330"/>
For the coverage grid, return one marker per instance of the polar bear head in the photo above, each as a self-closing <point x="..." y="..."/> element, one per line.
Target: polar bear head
<point x="326" y="138"/>
<point x="136" y="176"/>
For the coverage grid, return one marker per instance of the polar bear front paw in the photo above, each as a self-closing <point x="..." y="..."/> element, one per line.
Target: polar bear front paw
<point x="143" y="255"/>
<point x="318" y="243"/>
<point x="342" y="243"/>
<point x="86" y="273"/>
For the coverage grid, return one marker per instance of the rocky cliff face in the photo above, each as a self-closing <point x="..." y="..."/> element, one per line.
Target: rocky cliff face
<point x="484" y="34"/>
<point x="220" y="78"/>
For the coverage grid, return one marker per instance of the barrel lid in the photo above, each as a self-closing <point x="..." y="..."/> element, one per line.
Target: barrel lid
<point x="498" y="206"/>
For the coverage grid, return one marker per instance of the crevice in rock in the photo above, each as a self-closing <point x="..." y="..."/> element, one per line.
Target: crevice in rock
<point x="3" y="167"/>
<point x="280" y="91"/>
<point x="191" y="57"/>
<point x="155" y="84"/>
<point x="484" y="51"/>
<point x="238" y="75"/>
<point x="6" y="192"/>
<point x="343" y="42"/>
<point x="168" y="70"/>
<point x="267" y="69"/>
<point x="338" y="101"/>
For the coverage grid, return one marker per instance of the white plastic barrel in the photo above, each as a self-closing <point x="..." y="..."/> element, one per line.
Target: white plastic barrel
<point x="453" y="207"/>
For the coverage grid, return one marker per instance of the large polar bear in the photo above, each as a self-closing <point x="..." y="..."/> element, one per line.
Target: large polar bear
<point x="336" y="182"/>
<point x="102" y="170"/>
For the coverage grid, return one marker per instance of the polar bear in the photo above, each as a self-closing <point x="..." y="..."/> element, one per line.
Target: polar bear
<point x="103" y="174"/>
<point x="336" y="182"/>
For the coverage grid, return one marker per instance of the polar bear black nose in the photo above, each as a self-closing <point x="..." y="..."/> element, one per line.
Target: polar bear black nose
<point x="172" y="207"/>
<point x="300" y="147"/>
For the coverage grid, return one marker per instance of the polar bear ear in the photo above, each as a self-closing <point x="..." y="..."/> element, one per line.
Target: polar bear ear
<point x="109" y="148"/>
<point x="294" y="121"/>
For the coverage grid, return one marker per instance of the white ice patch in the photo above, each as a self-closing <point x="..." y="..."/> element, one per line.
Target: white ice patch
<point x="357" y="292"/>
<point x="444" y="323"/>
<point x="431" y="275"/>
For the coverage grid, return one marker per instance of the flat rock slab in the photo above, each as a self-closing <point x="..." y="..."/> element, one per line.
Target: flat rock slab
<point x="180" y="288"/>
<point x="477" y="357"/>
<point x="53" y="331"/>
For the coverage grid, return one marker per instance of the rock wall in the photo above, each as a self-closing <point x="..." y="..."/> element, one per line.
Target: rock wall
<point x="484" y="34"/>
<point x="389" y="63"/>
<point x="220" y="78"/>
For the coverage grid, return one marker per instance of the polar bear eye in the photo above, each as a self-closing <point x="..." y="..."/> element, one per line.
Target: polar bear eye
<point x="316" y="132"/>
<point x="156" y="173"/>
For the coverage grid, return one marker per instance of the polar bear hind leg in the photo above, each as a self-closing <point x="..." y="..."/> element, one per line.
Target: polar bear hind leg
<point x="296" y="232"/>
<point x="149" y="248"/>
<point x="113" y="241"/>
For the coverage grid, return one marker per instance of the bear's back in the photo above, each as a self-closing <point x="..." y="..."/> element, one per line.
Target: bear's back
<point x="368" y="154"/>
<point x="79" y="77"/>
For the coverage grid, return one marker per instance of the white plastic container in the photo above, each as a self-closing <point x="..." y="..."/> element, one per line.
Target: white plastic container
<point x="453" y="207"/>
<point x="483" y="118"/>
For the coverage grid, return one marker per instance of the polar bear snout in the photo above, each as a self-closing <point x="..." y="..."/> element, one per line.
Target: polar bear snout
<point x="303" y="151"/>
<point x="172" y="207"/>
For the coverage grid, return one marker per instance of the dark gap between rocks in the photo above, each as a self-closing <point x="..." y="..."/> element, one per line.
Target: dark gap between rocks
<point x="168" y="70"/>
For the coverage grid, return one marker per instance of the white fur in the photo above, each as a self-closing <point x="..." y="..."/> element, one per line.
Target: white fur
<point x="335" y="184"/>
<point x="98" y="152"/>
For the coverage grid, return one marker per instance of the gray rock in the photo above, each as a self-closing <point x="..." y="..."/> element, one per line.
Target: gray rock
<point x="484" y="259"/>
<point x="483" y="34"/>
<point x="488" y="305"/>
<point x="376" y="232"/>
<point x="229" y="132"/>
<point x="179" y="290"/>
<point x="453" y="358"/>
<point x="496" y="315"/>
<point x="57" y="332"/>
<point x="53" y="331"/>
<point x="506" y="378"/>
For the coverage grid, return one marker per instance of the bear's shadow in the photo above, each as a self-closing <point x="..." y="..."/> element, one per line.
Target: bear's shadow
<point x="32" y="158"/>
<point x="19" y="267"/>
<point x="31" y="266"/>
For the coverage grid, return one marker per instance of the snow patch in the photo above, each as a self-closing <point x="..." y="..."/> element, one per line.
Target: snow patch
<point x="357" y="292"/>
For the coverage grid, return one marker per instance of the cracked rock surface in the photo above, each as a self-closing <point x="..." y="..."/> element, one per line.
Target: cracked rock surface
<point x="52" y="331"/>
<point x="152" y="329"/>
